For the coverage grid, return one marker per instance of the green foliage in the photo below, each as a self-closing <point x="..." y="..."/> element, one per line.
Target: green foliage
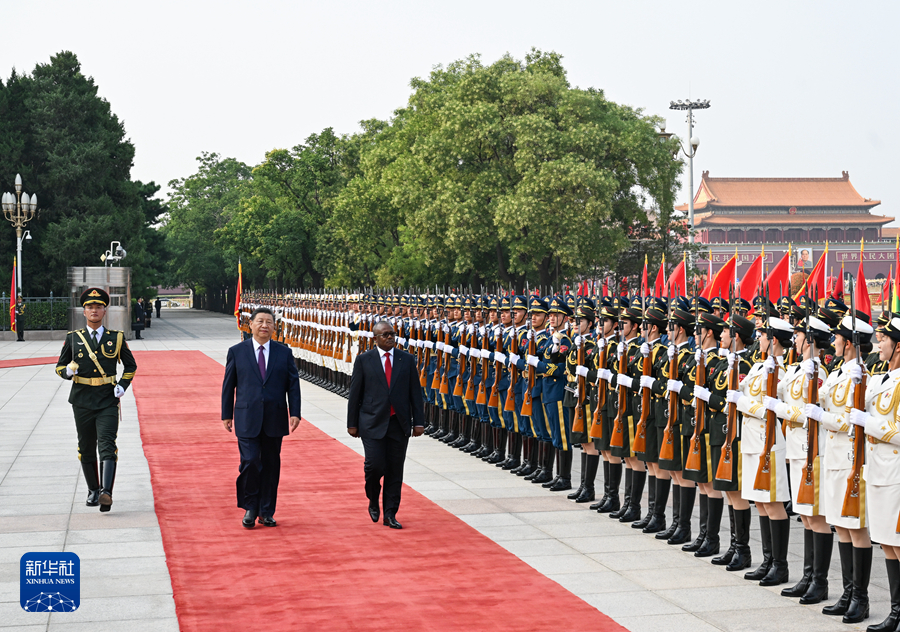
<point x="40" y="313"/>
<point x="71" y="151"/>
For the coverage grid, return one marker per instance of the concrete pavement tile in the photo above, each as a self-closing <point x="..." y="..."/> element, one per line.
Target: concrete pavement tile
<point x="629" y="604"/>
<point x="597" y="526"/>
<point x="611" y="543"/>
<point x="535" y="547"/>
<point x="448" y="494"/>
<point x="491" y="520"/>
<point x="27" y="523"/>
<point x="560" y="564"/>
<point x="132" y="586"/>
<point x="640" y="560"/>
<point x="694" y="576"/>
<point x="35" y="509"/>
<point x="668" y="622"/>
<point x="131" y="625"/>
<point x="111" y="520"/>
<point x="785" y="619"/>
<point x="34" y="538"/>
<point x="95" y="536"/>
<point x="462" y="507"/>
<point x="112" y="550"/>
<point x="513" y="532"/>
<point x="597" y="582"/>
<point x="749" y="597"/>
<point x="539" y="518"/>
<point x="123" y="567"/>
<point x="115" y="608"/>
<point x="14" y="618"/>
<point x="511" y="493"/>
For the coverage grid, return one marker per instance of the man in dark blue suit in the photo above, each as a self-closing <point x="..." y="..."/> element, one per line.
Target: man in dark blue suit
<point x="385" y="406"/>
<point x="264" y="376"/>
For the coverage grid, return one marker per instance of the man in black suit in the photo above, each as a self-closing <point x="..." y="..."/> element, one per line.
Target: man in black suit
<point x="385" y="407"/>
<point x="264" y="375"/>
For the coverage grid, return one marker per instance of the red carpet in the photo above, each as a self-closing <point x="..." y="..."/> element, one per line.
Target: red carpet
<point x="326" y="566"/>
<point x="8" y="364"/>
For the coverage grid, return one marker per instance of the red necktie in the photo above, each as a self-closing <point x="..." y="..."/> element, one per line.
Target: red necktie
<point x="387" y="373"/>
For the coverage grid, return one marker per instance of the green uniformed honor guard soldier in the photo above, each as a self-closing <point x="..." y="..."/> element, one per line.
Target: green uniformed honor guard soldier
<point x="89" y="358"/>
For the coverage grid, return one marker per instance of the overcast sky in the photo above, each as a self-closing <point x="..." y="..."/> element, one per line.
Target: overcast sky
<point x="798" y="89"/>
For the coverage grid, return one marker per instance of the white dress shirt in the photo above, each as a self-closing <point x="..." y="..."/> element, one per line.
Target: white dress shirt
<point x="383" y="355"/>
<point x="99" y="330"/>
<point x="265" y="348"/>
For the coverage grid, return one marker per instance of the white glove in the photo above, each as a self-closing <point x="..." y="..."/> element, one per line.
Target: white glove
<point x="581" y="371"/>
<point x="769" y="364"/>
<point x="531" y="360"/>
<point x="499" y="357"/>
<point x="859" y="418"/>
<point x="813" y="412"/>
<point x="578" y="340"/>
<point x="429" y="344"/>
<point x="701" y="393"/>
<point x="482" y="330"/>
<point x="623" y="380"/>
<point x="531" y="334"/>
<point x="674" y="386"/>
<point x="463" y="350"/>
<point x="446" y="329"/>
<point x="118" y="391"/>
<point x="605" y="374"/>
<point x="647" y="381"/>
<point x="645" y="350"/>
<point x="557" y="337"/>
<point x="513" y="358"/>
<point x="854" y="371"/>
<point x="439" y="345"/>
<point x="620" y="349"/>
<point x="671" y="351"/>
<point x="733" y="396"/>
<point x="470" y="329"/>
<point x="697" y="355"/>
<point x="70" y="372"/>
<point x="732" y="358"/>
<point x="771" y="403"/>
<point x="808" y="366"/>
<point x="601" y="343"/>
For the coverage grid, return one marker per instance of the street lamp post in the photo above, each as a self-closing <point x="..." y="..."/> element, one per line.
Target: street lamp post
<point x="690" y="106"/>
<point x="19" y="209"/>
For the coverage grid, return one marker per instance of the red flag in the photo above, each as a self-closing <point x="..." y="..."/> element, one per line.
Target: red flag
<point x="815" y="282"/>
<point x="862" y="292"/>
<point x="659" y="288"/>
<point x="886" y="288"/>
<point x="623" y="287"/>
<point x="605" y="287"/>
<point x="838" y="290"/>
<point x="237" y="296"/>
<point x="752" y="278"/>
<point x="13" y="299"/>
<point x="724" y="278"/>
<point x="778" y="280"/>
<point x="677" y="285"/>
<point x="644" y="281"/>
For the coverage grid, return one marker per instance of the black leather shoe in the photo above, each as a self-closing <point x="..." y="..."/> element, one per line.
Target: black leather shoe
<point x="374" y="513"/>
<point x="390" y="521"/>
<point x="656" y="525"/>
<point x="249" y="519"/>
<point x="267" y="521"/>
<point x="680" y="536"/>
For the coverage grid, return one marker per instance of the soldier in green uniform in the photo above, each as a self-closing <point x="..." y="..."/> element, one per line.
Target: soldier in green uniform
<point x="89" y="358"/>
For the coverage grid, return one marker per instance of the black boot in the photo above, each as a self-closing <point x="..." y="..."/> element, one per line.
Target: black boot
<point x="615" y="479"/>
<point x="107" y="479"/>
<point x="781" y="534"/>
<point x="440" y="422"/>
<point x="682" y="532"/>
<point x="453" y="434"/>
<point x="580" y="489"/>
<point x="710" y="546"/>
<point x="859" y="603"/>
<point x="657" y="522"/>
<point x="603" y="499"/>
<point x="651" y="504"/>
<point x="633" y="513"/>
<point x="464" y="424"/>
<point x="845" y="551"/>
<point x="551" y="456"/>
<point x="92" y="478"/>
<point x="526" y="457"/>
<point x="626" y="501"/>
<point x="823" y="544"/>
<point x="741" y="558"/>
<point x="514" y="459"/>
<point x="499" y="454"/>
<point x="893" y="619"/>
<point x="429" y="420"/>
<point x="799" y="589"/>
<point x="591" y="463"/>
<point x="488" y="438"/>
<point x="765" y="534"/>
<point x="725" y="558"/>
<point x="564" y="482"/>
<point x="676" y="505"/>
<point x="533" y="466"/>
<point x="704" y="520"/>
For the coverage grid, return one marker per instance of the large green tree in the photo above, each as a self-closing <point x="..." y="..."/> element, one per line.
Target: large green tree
<point x="72" y="151"/>
<point x="501" y="173"/>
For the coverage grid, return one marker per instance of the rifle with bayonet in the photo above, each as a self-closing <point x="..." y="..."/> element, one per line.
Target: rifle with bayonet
<point x="765" y="471"/>
<point x="851" y="506"/>
<point x="693" y="462"/>
<point x="725" y="471"/>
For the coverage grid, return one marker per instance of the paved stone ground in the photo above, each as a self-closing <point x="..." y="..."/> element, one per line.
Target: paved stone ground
<point x="640" y="582"/>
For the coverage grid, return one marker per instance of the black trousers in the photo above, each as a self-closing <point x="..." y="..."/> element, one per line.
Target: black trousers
<point x="384" y="459"/>
<point x="257" y="482"/>
<point x="97" y="430"/>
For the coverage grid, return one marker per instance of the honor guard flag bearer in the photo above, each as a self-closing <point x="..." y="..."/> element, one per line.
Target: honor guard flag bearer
<point x="90" y="358"/>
